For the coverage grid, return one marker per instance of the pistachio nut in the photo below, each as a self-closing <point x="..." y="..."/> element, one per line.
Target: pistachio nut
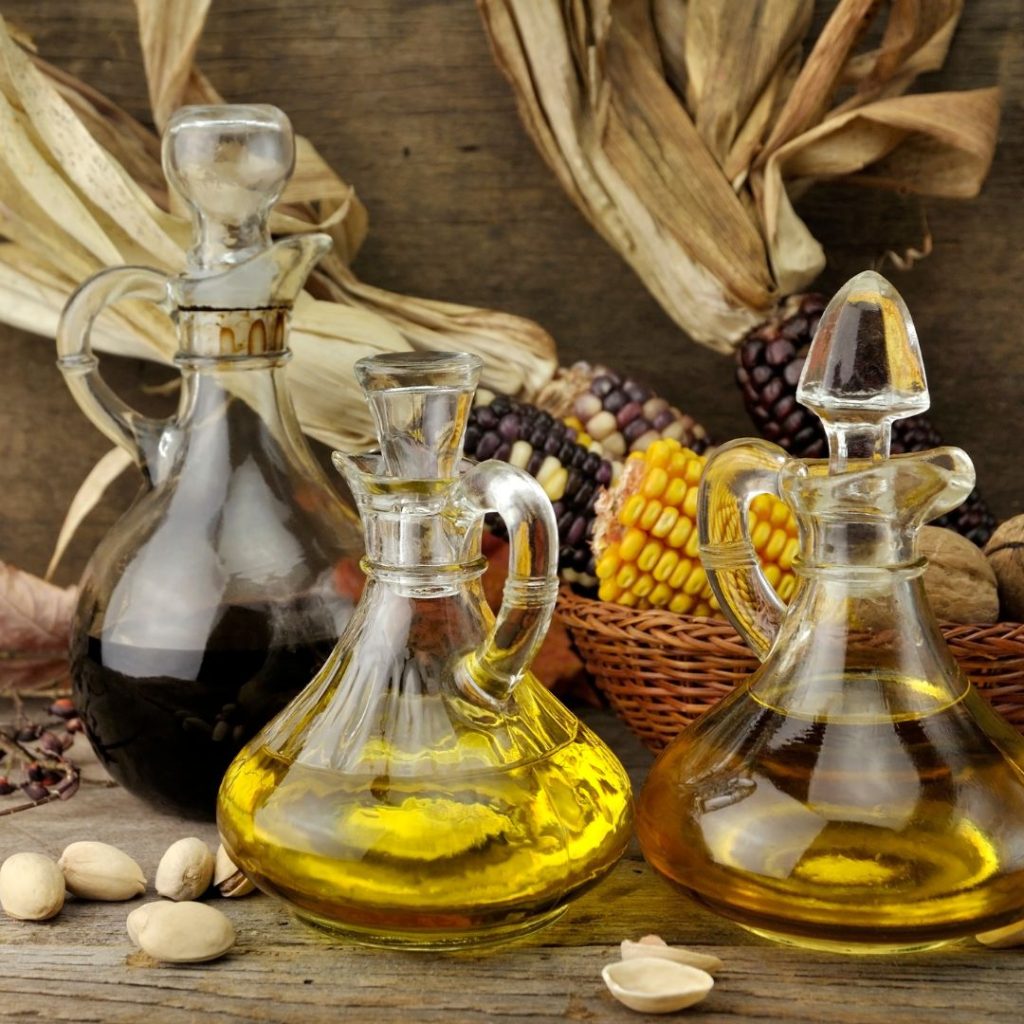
<point x="99" y="871"/>
<point x="185" y="870"/>
<point x="31" y="887"/>
<point x="228" y="877"/>
<point x="180" y="933"/>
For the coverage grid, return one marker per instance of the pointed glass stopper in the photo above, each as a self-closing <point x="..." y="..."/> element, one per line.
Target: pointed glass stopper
<point x="863" y="370"/>
<point x="421" y="403"/>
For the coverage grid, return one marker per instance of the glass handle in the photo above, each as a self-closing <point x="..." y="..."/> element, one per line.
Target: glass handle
<point x="736" y="474"/>
<point x="136" y="433"/>
<point x="491" y="672"/>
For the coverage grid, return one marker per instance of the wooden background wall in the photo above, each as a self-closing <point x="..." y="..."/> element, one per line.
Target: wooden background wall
<point x="402" y="98"/>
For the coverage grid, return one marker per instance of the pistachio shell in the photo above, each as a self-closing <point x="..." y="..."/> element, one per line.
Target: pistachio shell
<point x="185" y="870"/>
<point x="99" y="871"/>
<point x="655" y="985"/>
<point x="661" y="951"/>
<point x="228" y="877"/>
<point x="181" y="933"/>
<point x="31" y="887"/>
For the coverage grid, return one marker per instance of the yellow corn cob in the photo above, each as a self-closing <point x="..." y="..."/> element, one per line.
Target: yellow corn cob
<point x="646" y="545"/>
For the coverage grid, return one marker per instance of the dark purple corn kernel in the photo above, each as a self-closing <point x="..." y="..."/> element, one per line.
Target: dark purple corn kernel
<point x="615" y="400"/>
<point x="486" y="417"/>
<point x="635" y="430"/>
<point x="488" y="445"/>
<point x="628" y="413"/>
<point x="510" y="427"/>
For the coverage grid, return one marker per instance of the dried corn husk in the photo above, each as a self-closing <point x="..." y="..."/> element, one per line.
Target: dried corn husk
<point x="683" y="129"/>
<point x="81" y="189"/>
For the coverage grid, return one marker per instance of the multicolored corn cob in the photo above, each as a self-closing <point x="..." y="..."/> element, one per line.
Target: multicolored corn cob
<point x="559" y="457"/>
<point x="619" y="413"/>
<point x="645" y="537"/>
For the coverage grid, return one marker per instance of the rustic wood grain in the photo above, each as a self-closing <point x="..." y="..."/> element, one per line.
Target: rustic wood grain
<point x="402" y="97"/>
<point x="81" y="967"/>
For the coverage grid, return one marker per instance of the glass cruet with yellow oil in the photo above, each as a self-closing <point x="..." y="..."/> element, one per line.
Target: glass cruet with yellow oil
<point x="856" y="794"/>
<point x="425" y="790"/>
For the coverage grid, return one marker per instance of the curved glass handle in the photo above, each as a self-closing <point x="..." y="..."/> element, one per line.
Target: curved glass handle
<point x="491" y="671"/>
<point x="736" y="474"/>
<point x="136" y="433"/>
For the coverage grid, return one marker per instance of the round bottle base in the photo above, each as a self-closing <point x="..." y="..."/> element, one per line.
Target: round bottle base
<point x="432" y="941"/>
<point x="855" y="948"/>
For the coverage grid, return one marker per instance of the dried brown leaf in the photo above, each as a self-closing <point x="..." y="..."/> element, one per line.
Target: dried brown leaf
<point x="35" y="616"/>
<point x="169" y="32"/>
<point x="937" y="144"/>
<point x="733" y="51"/>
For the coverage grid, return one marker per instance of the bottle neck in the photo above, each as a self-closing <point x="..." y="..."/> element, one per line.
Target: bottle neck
<point x="865" y="543"/>
<point x="416" y="540"/>
<point x="218" y="333"/>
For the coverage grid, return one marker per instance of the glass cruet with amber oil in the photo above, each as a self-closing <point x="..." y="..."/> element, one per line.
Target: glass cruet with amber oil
<point x="425" y="790"/>
<point x="856" y="794"/>
<point x="209" y="604"/>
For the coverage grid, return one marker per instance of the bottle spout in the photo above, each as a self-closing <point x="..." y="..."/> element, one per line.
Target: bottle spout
<point x="864" y="370"/>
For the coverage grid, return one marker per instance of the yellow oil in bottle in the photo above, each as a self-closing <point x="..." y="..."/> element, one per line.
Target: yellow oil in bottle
<point x="456" y="854"/>
<point x="861" y="832"/>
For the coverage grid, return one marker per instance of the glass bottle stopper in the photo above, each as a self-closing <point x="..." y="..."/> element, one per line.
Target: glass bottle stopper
<point x="863" y="370"/>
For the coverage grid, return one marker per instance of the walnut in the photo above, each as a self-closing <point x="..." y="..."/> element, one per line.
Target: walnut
<point x="1005" y="552"/>
<point x="959" y="582"/>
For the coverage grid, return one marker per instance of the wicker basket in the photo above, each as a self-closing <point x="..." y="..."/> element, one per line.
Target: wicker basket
<point x="660" y="670"/>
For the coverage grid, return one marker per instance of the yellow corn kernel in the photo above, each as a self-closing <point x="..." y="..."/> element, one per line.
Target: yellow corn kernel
<point x="680" y="574"/>
<point x="643" y="586"/>
<point x="627" y="576"/>
<point x="548" y="468"/>
<point x="696" y="581"/>
<point x="760" y="534"/>
<point x="651" y="514"/>
<point x="655" y="482"/>
<point x="674" y="493"/>
<point x="775" y="546"/>
<point x="658" y="454"/>
<point x="666" y="564"/>
<point x="779" y="515"/>
<point x="628" y="598"/>
<point x="665" y="522"/>
<point x="692" y="547"/>
<point x="677" y="464"/>
<point x="690" y="503"/>
<point x="555" y="486"/>
<point x="681" y="604"/>
<point x="631" y="510"/>
<point x="680" y="533"/>
<point x="694" y="468"/>
<point x="786" y="587"/>
<point x="660" y="595"/>
<point x="789" y="553"/>
<point x="608" y="591"/>
<point x="773" y="574"/>
<point x="632" y="544"/>
<point x="761" y="506"/>
<point x="608" y="564"/>
<point x="648" y="558"/>
<point x="703" y="610"/>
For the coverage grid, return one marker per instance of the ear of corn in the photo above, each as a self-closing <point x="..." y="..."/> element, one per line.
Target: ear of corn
<point x="572" y="470"/>
<point x="645" y="538"/>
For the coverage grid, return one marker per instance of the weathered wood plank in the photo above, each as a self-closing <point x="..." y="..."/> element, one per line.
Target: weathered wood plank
<point x="402" y="97"/>
<point x="80" y="967"/>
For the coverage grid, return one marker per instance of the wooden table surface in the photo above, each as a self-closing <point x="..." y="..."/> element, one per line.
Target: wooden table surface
<point x="81" y="966"/>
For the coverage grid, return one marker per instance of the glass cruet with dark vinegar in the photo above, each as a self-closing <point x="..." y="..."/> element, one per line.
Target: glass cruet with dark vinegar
<point x="209" y="604"/>
<point x="856" y="794"/>
<point x="425" y="790"/>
